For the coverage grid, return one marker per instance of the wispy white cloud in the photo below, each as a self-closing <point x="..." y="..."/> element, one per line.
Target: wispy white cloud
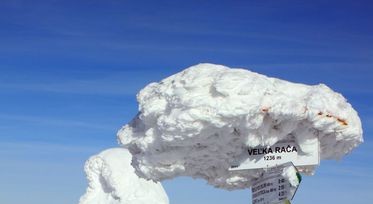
<point x="118" y="83"/>
<point x="53" y="121"/>
<point x="43" y="146"/>
<point x="356" y="78"/>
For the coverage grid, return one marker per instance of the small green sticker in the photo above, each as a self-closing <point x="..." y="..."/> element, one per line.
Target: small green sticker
<point x="287" y="202"/>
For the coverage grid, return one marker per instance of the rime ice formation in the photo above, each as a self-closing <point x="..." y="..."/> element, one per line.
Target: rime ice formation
<point x="112" y="180"/>
<point x="197" y="122"/>
<point x="290" y="173"/>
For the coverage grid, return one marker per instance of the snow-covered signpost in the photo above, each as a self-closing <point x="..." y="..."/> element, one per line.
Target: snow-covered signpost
<point x="278" y="160"/>
<point x="276" y="185"/>
<point x="232" y="127"/>
<point x="280" y="179"/>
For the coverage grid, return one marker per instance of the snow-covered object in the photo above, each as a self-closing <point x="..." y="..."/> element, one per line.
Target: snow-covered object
<point x="290" y="172"/>
<point x="199" y="121"/>
<point x="293" y="177"/>
<point x="112" y="180"/>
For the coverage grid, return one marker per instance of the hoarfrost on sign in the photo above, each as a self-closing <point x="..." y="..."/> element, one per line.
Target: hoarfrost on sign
<point x="199" y="121"/>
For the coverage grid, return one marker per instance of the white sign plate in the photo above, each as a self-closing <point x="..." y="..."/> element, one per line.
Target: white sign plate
<point x="272" y="187"/>
<point x="280" y="153"/>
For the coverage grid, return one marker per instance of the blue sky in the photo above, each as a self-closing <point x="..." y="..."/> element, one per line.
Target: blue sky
<point x="70" y="71"/>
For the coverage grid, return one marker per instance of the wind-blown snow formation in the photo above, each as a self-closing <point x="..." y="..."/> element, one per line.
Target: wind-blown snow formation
<point x="112" y="180"/>
<point x="199" y="121"/>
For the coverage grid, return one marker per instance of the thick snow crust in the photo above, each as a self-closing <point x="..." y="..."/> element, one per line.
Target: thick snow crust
<point x="199" y="121"/>
<point x="112" y="180"/>
<point x="291" y="175"/>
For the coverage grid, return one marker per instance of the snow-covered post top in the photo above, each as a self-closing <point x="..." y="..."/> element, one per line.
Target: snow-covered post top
<point x="197" y="122"/>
